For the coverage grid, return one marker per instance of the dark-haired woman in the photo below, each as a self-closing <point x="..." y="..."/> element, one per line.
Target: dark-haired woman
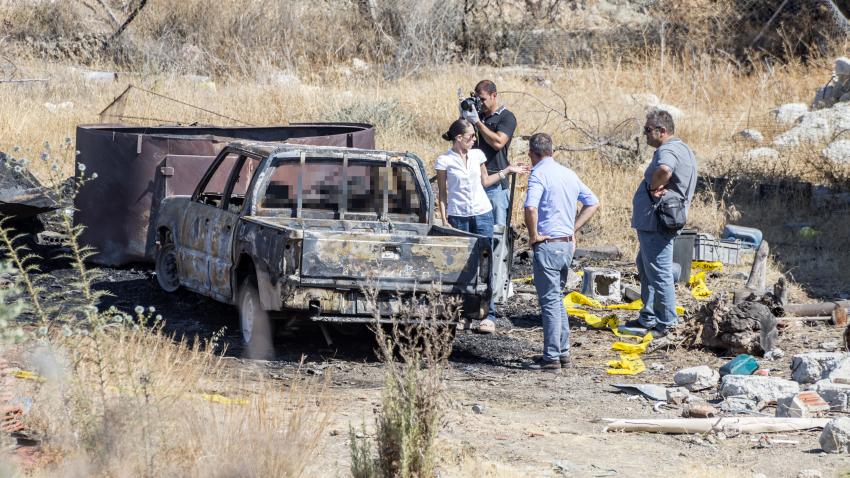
<point x="463" y="203"/>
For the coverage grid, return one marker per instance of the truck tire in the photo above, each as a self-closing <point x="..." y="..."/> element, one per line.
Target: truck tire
<point x="166" y="267"/>
<point x="254" y="322"/>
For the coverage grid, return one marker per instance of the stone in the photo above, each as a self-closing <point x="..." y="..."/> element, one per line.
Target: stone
<point x="789" y="113"/>
<point x="573" y="280"/>
<point x="478" y="408"/>
<point x="739" y="403"/>
<point x="816" y="127"/>
<point x="678" y="395"/>
<point x="744" y="328"/>
<point x="838" y="151"/>
<point x="813" y="366"/>
<point x="841" y="373"/>
<point x="810" y="473"/>
<point x="835" y="437"/>
<point x="842" y="67"/>
<point x="766" y="389"/>
<point x="697" y="378"/>
<point x="761" y="153"/>
<point x="750" y="135"/>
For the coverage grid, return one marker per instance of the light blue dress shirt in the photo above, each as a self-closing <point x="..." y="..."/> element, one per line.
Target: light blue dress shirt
<point x="554" y="190"/>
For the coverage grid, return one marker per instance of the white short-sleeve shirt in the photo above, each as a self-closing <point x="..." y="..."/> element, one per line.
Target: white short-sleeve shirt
<point x="466" y="195"/>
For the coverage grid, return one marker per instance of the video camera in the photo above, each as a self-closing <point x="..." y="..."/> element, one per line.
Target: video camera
<point x="467" y="104"/>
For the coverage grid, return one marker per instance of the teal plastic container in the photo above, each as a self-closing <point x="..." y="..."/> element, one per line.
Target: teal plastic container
<point x="749" y="236"/>
<point x="743" y="364"/>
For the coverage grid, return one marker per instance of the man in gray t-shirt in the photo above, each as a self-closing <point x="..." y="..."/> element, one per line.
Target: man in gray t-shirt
<point x="672" y="173"/>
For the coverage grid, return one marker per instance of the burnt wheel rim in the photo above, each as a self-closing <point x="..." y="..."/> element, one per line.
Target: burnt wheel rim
<point x="166" y="269"/>
<point x="247" y="311"/>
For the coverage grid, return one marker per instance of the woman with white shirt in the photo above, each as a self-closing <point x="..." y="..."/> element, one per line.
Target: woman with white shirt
<point x="461" y="179"/>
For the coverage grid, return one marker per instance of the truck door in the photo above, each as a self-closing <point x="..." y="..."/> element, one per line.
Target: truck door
<point x="220" y="258"/>
<point x="201" y="228"/>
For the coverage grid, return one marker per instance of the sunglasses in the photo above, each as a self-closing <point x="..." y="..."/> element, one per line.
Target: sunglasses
<point x="649" y="129"/>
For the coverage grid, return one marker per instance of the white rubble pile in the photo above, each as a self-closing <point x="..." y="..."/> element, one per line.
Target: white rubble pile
<point x="789" y="113"/>
<point x="766" y="389"/>
<point x="838" y="151"/>
<point x="816" y="126"/>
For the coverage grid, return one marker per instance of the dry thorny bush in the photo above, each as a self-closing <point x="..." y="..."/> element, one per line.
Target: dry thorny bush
<point x="414" y="348"/>
<point x="117" y="396"/>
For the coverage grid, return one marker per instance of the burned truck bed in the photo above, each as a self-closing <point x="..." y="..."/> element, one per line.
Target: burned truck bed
<point x="137" y="167"/>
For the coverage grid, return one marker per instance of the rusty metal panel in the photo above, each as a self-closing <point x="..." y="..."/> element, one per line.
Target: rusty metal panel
<point x="132" y="164"/>
<point x="394" y="258"/>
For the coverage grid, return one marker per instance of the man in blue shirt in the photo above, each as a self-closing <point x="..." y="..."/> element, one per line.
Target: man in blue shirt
<point x="550" y="216"/>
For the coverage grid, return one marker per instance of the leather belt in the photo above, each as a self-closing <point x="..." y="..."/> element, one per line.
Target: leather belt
<point x="559" y="239"/>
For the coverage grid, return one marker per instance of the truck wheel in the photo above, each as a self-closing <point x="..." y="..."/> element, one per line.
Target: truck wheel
<point x="254" y="322"/>
<point x="166" y="267"/>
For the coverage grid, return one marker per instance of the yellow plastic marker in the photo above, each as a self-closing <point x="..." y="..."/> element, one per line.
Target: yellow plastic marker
<point x="699" y="290"/>
<point x="629" y="364"/>
<point x="27" y="375"/>
<point x="698" y="266"/>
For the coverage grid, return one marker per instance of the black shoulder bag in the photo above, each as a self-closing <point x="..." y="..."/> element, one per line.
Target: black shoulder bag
<point x="671" y="211"/>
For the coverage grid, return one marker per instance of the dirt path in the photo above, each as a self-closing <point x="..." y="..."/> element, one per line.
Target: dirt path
<point x="532" y="424"/>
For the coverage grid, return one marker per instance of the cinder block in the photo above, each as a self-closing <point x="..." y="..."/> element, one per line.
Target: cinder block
<point x="601" y="284"/>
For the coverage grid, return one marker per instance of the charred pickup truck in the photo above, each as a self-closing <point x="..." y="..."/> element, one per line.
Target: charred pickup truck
<point x="295" y="231"/>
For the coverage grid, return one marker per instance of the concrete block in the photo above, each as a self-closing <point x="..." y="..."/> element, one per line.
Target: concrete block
<point x="631" y="292"/>
<point x="813" y="366"/>
<point x="802" y="405"/>
<point x="677" y="395"/>
<point x="697" y="378"/>
<point x="837" y="395"/>
<point x="841" y="372"/>
<point x="835" y="437"/>
<point x="601" y="284"/>
<point x="766" y="389"/>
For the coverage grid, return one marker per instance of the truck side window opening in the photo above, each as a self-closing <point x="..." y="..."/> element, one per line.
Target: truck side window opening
<point x="212" y="191"/>
<point x="240" y="187"/>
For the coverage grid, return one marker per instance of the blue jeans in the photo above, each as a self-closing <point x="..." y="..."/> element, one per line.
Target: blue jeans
<point x="482" y="225"/>
<point x="655" y="269"/>
<point x="551" y="265"/>
<point x="499" y="200"/>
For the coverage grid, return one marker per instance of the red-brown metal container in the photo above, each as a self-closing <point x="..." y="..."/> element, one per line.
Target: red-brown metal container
<point x="139" y="166"/>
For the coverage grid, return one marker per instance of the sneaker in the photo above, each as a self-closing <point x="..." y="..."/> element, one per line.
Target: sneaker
<point x="564" y="359"/>
<point x="486" y="326"/>
<point x="659" y="332"/>
<point x="543" y="365"/>
<point x="633" y="327"/>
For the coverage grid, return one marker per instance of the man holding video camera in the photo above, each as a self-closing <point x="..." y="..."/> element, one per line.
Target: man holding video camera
<point x="495" y="126"/>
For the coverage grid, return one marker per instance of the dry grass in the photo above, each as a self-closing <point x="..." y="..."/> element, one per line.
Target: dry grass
<point x="717" y="100"/>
